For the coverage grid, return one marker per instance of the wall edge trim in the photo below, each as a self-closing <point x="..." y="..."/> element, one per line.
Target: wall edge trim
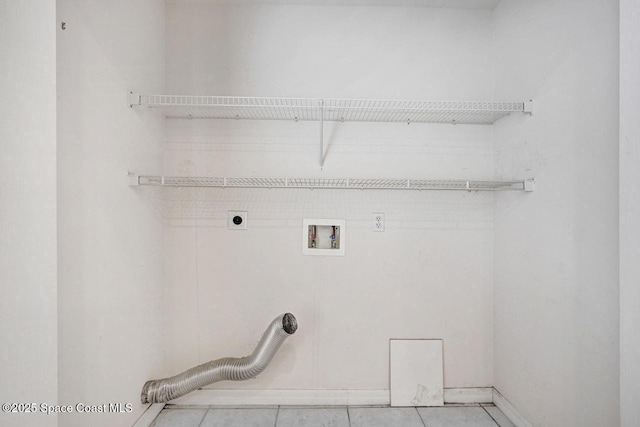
<point x="509" y="410"/>
<point x="226" y="397"/>
<point x="149" y="415"/>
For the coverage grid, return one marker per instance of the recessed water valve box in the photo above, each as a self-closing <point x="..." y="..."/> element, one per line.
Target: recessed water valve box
<point x="323" y="237"/>
<point x="237" y="220"/>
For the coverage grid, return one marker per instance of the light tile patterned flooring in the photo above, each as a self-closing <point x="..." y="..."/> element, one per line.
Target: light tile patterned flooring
<point x="485" y="415"/>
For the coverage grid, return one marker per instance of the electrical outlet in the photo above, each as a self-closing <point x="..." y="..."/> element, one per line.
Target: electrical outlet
<point x="237" y="220"/>
<point x="378" y="221"/>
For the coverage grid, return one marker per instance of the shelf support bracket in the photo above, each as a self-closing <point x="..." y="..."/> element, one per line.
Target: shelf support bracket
<point x="321" y="112"/>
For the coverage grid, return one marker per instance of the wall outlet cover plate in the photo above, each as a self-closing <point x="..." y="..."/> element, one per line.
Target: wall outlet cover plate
<point x="378" y="221"/>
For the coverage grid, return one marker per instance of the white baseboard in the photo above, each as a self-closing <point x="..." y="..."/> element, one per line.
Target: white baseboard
<point x="149" y="415"/>
<point x="468" y="395"/>
<point x="231" y="397"/>
<point x="508" y="409"/>
<point x="240" y="397"/>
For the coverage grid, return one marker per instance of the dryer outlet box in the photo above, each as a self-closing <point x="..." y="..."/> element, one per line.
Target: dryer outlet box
<point x="237" y="220"/>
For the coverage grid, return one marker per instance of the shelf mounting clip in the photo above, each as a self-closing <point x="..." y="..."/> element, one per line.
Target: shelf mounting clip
<point x="134" y="99"/>
<point x="134" y="179"/>
<point x="530" y="184"/>
<point x="528" y="107"/>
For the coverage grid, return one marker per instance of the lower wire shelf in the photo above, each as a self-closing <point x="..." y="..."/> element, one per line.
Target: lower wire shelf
<point x="330" y="183"/>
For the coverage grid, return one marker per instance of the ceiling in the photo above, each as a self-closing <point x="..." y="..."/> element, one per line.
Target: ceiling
<point x="453" y="4"/>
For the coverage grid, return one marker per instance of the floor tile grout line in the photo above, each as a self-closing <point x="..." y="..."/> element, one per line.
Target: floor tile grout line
<point x="204" y="416"/>
<point x="420" y="416"/>
<point x="277" y="413"/>
<point x="494" y="420"/>
<point x="424" y="423"/>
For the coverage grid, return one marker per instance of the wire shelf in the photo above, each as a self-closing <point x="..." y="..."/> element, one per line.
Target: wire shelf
<point x="331" y="183"/>
<point x="316" y="109"/>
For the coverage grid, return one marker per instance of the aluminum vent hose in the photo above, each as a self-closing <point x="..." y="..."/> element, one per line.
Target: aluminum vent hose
<point x="228" y="368"/>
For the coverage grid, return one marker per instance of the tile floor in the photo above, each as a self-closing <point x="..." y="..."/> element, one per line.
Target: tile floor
<point x="485" y="415"/>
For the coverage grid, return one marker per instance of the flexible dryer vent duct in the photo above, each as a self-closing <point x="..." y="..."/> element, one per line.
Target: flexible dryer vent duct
<point x="228" y="368"/>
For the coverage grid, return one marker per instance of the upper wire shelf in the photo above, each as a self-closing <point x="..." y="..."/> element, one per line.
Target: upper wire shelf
<point x="330" y="183"/>
<point x="316" y="109"/>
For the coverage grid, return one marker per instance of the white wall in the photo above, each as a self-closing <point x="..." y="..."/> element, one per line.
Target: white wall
<point x="556" y="250"/>
<point x="110" y="236"/>
<point x="629" y="213"/>
<point x="28" y="307"/>
<point x="428" y="275"/>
